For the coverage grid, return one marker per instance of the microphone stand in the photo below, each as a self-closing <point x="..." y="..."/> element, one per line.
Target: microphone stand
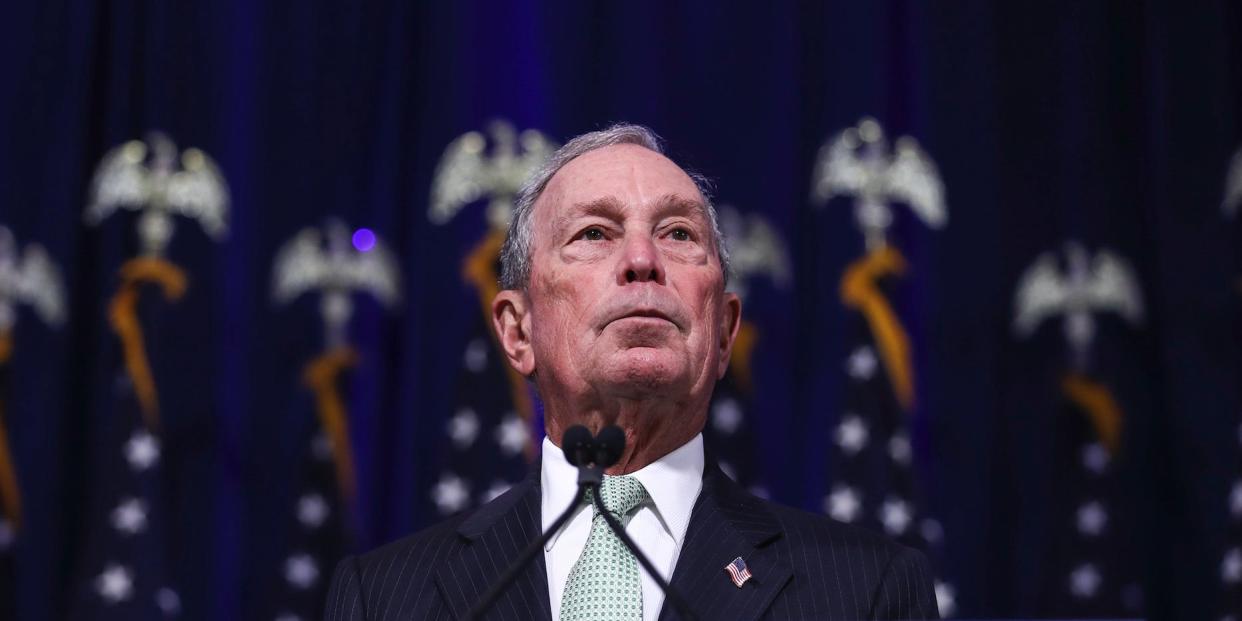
<point x="589" y="477"/>
<point x="680" y="604"/>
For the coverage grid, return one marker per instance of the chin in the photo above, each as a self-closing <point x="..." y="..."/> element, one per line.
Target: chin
<point x="640" y="371"/>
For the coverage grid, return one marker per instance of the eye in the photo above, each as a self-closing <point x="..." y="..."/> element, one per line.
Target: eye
<point x="680" y="234"/>
<point x="592" y="234"/>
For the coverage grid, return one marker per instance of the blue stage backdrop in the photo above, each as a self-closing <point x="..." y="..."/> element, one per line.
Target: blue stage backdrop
<point x="989" y="254"/>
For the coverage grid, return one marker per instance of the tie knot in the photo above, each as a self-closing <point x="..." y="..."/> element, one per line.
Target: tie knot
<point x="621" y="494"/>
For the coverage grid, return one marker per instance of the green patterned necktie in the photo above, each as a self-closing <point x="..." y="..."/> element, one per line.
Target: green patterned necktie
<point x="604" y="584"/>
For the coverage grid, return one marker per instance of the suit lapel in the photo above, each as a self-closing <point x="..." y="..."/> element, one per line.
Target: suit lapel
<point x="491" y="541"/>
<point x="727" y="523"/>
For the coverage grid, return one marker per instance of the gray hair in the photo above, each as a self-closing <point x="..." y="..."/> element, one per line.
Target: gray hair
<point x="515" y="255"/>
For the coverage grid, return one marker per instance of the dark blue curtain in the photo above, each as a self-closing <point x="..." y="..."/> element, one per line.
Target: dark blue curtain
<point x="1111" y="123"/>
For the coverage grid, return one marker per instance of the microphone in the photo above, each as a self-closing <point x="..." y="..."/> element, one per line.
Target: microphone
<point x="584" y="451"/>
<point x="609" y="444"/>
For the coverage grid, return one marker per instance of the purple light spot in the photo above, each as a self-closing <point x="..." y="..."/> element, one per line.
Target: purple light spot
<point x="364" y="240"/>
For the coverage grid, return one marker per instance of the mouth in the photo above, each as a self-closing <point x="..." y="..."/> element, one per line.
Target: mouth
<point x="644" y="314"/>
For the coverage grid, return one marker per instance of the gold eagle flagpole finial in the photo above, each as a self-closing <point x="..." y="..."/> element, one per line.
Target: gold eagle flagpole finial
<point x="858" y="163"/>
<point x="469" y="172"/>
<point x="33" y="279"/>
<point x="336" y="264"/>
<point x="154" y="178"/>
<point x="755" y="249"/>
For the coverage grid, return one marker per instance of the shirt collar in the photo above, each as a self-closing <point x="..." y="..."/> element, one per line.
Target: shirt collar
<point x="672" y="482"/>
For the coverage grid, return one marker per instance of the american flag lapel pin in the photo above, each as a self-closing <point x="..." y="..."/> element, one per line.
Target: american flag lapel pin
<point x="738" y="572"/>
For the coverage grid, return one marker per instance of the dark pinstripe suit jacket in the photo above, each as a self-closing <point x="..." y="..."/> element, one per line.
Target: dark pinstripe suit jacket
<point x="805" y="566"/>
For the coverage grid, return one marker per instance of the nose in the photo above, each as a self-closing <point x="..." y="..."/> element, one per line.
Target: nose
<point x="640" y="262"/>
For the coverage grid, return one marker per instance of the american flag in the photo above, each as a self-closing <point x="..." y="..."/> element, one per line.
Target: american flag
<point x="1230" y="570"/>
<point x="872" y="465"/>
<point x="493" y="426"/>
<point x="738" y="572"/>
<point x="1094" y="569"/>
<point x="317" y="538"/>
<point x="125" y="571"/>
<point x="1092" y="557"/>
<point x="8" y="497"/>
<point x="487" y="438"/>
<point x="29" y="277"/>
<point x="757" y="252"/>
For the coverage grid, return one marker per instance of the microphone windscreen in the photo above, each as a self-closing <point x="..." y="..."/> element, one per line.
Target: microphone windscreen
<point x="609" y="445"/>
<point x="577" y="443"/>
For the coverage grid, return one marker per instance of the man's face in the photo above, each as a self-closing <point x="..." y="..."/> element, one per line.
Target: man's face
<point x="626" y="293"/>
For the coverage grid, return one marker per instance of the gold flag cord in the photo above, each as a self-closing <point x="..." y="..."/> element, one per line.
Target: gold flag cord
<point x="479" y="269"/>
<point x="739" y="358"/>
<point x="320" y="375"/>
<point x="1097" y="401"/>
<point x="10" y="495"/>
<point x="123" y="315"/>
<point x="859" y="290"/>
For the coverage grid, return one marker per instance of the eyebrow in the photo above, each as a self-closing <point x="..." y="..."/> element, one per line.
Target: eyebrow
<point x="610" y="207"/>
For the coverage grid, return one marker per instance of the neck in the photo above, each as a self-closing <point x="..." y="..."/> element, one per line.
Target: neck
<point x="653" y="427"/>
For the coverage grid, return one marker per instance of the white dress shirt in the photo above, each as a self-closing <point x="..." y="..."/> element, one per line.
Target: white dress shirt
<point x="658" y="526"/>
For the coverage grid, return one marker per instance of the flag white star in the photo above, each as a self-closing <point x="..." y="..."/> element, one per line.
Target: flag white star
<point x="1092" y="518"/>
<point x="726" y="416"/>
<point x="861" y="363"/>
<point x="1084" y="581"/>
<point x="895" y="515"/>
<point x="6" y="534"/>
<point x="843" y="503"/>
<point x="1235" y="499"/>
<point x="168" y="601"/>
<point x="475" y="357"/>
<point x="312" y="510"/>
<point x="1231" y="567"/>
<point x="463" y="428"/>
<point x="512" y="434"/>
<point x="301" y="571"/>
<point x="450" y="494"/>
<point x="899" y="449"/>
<point x="130" y="517"/>
<point x="497" y="488"/>
<point x="946" y="599"/>
<point x="1095" y="458"/>
<point x="142" y="450"/>
<point x="851" y="434"/>
<point x="115" y="584"/>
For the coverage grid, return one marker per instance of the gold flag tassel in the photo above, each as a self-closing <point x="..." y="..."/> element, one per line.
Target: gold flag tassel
<point x="123" y="315"/>
<point x="479" y="269"/>
<point x="1097" y="401"/>
<point x="10" y="495"/>
<point x="740" y="357"/>
<point x="320" y="375"/>
<point x="860" y="290"/>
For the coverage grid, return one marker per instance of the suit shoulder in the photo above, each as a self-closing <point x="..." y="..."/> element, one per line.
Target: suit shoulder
<point x="429" y="544"/>
<point x="893" y="581"/>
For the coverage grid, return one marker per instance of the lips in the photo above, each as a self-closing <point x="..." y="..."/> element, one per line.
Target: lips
<point x="639" y="313"/>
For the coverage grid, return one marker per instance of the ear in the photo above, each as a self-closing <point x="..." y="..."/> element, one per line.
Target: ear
<point x="511" y="320"/>
<point x="730" y="321"/>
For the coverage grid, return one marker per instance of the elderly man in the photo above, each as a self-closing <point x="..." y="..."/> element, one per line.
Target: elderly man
<point x="614" y="305"/>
